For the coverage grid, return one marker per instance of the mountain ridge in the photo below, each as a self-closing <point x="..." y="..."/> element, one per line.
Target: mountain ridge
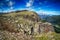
<point x="27" y="23"/>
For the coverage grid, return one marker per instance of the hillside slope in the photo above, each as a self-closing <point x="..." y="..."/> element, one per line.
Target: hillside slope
<point x="22" y="25"/>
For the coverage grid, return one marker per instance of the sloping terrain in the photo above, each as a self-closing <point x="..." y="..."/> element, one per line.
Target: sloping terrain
<point x="22" y="25"/>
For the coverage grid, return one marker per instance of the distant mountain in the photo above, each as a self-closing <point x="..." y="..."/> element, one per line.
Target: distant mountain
<point x="44" y="16"/>
<point x="54" y="19"/>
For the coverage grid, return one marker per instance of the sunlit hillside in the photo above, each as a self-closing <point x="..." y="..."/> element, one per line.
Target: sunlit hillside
<point x="25" y="25"/>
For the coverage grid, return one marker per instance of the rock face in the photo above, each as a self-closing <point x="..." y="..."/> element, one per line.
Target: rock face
<point x="23" y="24"/>
<point x="43" y="27"/>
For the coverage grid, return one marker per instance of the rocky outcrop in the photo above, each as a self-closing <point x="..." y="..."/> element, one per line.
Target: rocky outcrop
<point x="43" y="27"/>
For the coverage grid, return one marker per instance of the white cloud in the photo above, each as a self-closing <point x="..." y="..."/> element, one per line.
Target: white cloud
<point x="30" y="3"/>
<point x="44" y="12"/>
<point x="10" y="4"/>
<point x="8" y="10"/>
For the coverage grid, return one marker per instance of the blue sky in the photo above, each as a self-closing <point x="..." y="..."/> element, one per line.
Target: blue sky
<point x="51" y="7"/>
